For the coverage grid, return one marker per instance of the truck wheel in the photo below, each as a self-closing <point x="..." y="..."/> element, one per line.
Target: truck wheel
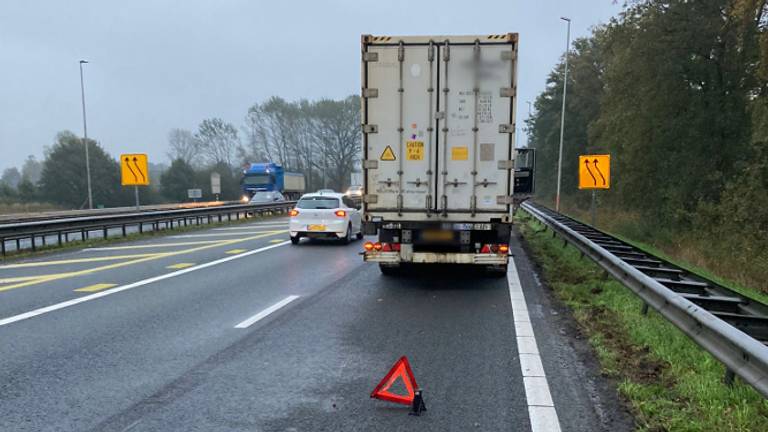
<point x="359" y="235"/>
<point x="295" y="240"/>
<point x="348" y="238"/>
<point x="388" y="270"/>
<point x="498" y="271"/>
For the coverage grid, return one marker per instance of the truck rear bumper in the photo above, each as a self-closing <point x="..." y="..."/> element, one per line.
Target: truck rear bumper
<point x="395" y="258"/>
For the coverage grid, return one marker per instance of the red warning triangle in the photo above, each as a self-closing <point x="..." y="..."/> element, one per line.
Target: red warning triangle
<point x="401" y="369"/>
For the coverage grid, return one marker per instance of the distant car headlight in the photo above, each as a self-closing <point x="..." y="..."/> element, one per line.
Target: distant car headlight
<point x="245" y="199"/>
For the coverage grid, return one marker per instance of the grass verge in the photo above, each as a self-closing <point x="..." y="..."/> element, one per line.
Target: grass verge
<point x="669" y="382"/>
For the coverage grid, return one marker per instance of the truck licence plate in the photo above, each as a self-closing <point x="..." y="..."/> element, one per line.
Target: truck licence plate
<point x="315" y="227"/>
<point x="437" y="235"/>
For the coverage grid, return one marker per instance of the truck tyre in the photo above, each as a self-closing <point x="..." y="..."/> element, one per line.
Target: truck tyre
<point x="498" y="271"/>
<point x="388" y="270"/>
<point x="359" y="235"/>
<point x="295" y="240"/>
<point x="348" y="238"/>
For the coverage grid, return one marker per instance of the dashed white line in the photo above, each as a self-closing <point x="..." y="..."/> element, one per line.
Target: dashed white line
<point x="68" y="303"/>
<point x="266" y="312"/>
<point x="541" y="408"/>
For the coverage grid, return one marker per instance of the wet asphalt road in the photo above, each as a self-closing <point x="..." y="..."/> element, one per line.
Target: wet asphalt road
<point x="146" y="347"/>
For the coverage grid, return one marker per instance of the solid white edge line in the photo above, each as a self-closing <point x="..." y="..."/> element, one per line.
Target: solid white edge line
<point x="266" y="312"/>
<point x="541" y="408"/>
<point x="68" y="303"/>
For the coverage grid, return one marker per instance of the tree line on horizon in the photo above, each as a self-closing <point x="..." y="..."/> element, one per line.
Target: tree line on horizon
<point x="677" y="93"/>
<point x="320" y="139"/>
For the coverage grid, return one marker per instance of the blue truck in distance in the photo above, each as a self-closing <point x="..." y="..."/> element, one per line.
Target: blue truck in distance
<point x="269" y="176"/>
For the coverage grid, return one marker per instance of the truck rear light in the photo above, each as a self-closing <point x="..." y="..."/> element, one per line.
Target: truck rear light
<point x="340" y="213"/>
<point x="390" y="247"/>
<point x="293" y="213"/>
<point x="368" y="246"/>
<point x="503" y="249"/>
<point x="486" y="249"/>
<point x="377" y="246"/>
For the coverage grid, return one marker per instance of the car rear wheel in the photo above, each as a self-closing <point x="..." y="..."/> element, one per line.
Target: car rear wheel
<point x="348" y="238"/>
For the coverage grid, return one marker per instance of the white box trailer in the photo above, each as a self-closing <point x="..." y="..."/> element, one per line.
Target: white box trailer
<point x="438" y="116"/>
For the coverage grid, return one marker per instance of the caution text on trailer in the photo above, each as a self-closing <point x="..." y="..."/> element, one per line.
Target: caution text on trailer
<point x="595" y="172"/>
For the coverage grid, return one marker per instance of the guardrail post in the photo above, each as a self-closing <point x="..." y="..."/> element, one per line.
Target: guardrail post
<point x="33" y="242"/>
<point x="729" y="377"/>
<point x="2" y="240"/>
<point x="644" y="309"/>
<point x="43" y="238"/>
<point x="59" y="237"/>
<point x="124" y="233"/>
<point x="106" y="232"/>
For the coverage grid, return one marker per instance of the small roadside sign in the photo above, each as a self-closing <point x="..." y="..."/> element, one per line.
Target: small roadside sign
<point x="215" y="183"/>
<point x="134" y="169"/>
<point x="595" y="172"/>
<point x="195" y="193"/>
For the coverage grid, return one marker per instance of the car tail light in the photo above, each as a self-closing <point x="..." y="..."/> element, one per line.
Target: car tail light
<point x="377" y="246"/>
<point x="368" y="246"/>
<point x="340" y="213"/>
<point x="293" y="213"/>
<point x="503" y="249"/>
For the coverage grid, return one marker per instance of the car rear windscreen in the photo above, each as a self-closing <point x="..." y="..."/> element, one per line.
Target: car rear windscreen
<point x="318" y="203"/>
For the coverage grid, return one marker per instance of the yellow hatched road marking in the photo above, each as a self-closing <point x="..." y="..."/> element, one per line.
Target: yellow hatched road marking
<point x="149" y="246"/>
<point x="96" y="287"/>
<point x="180" y="265"/>
<point x="18" y="279"/>
<point x="48" y="278"/>
<point x="235" y="251"/>
<point x="277" y="241"/>
<point x="78" y="260"/>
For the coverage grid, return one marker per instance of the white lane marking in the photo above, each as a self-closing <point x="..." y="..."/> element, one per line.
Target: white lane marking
<point x="266" y="312"/>
<point x="224" y="234"/>
<point x="68" y="303"/>
<point x="541" y="408"/>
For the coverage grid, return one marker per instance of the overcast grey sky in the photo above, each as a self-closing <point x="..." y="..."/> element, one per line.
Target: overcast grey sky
<point x="162" y="64"/>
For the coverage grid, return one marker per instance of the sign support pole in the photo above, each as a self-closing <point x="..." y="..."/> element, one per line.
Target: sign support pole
<point x="136" y="191"/>
<point x="593" y="206"/>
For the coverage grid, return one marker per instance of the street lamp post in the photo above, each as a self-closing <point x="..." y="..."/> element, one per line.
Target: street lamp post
<point x="562" y="116"/>
<point x="85" y="139"/>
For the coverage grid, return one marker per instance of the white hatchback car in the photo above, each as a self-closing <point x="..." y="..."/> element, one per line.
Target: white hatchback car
<point x="325" y="215"/>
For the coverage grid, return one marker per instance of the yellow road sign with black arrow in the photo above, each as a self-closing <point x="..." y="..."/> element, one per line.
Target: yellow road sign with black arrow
<point x="134" y="169"/>
<point x="595" y="172"/>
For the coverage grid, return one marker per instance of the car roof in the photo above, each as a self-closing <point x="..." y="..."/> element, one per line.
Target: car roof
<point x="323" y="195"/>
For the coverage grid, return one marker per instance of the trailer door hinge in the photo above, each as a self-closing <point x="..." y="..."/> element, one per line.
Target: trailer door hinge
<point x="371" y="164"/>
<point x="508" y="55"/>
<point x="506" y="128"/>
<point x="506" y="164"/>
<point x="370" y="56"/>
<point x="507" y="92"/>
<point x="370" y="128"/>
<point x="370" y="93"/>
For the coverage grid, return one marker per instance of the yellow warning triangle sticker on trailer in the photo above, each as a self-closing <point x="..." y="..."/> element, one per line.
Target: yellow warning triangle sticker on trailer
<point x="388" y="154"/>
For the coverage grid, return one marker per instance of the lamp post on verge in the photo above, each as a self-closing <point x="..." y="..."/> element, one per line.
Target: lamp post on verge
<point x="562" y="115"/>
<point x="85" y="139"/>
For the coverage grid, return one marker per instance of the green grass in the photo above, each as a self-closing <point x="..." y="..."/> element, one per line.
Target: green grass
<point x="116" y="239"/>
<point x="668" y="381"/>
